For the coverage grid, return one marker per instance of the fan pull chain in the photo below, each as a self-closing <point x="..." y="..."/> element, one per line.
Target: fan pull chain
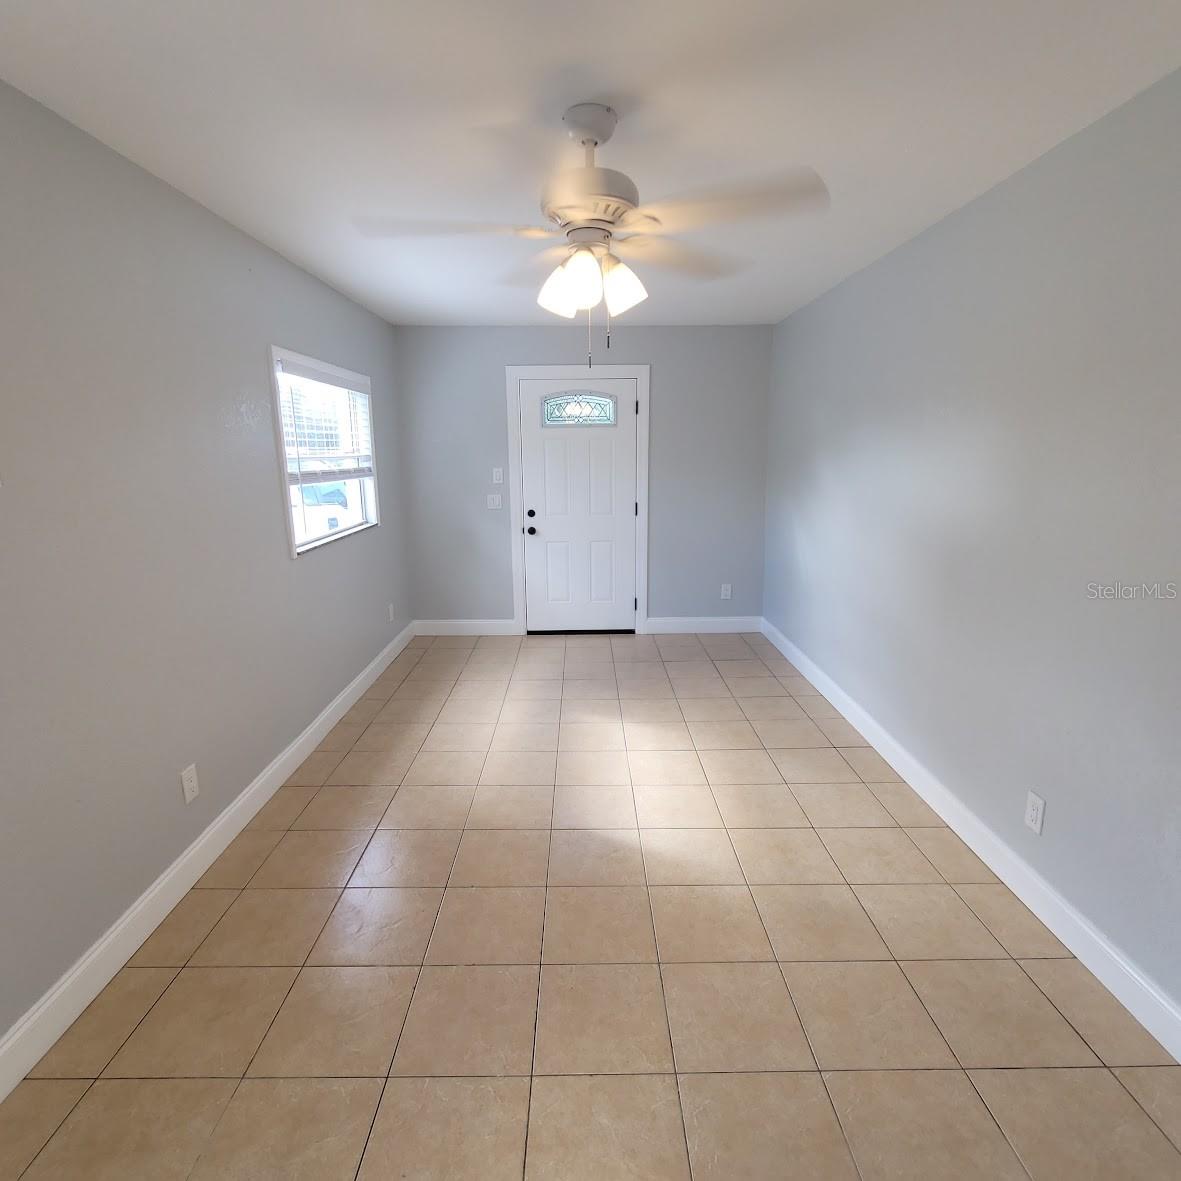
<point x="589" y="363"/>
<point x="608" y="329"/>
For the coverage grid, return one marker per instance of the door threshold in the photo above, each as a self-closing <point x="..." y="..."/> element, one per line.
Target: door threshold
<point x="619" y="631"/>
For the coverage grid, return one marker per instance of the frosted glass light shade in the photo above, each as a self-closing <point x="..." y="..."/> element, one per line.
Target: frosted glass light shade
<point x="621" y="286"/>
<point x="585" y="278"/>
<point x="556" y="295"/>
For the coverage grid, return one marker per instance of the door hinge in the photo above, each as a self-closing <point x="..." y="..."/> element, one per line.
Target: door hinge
<point x="637" y="508"/>
<point x="636" y="604"/>
<point x="637" y="405"/>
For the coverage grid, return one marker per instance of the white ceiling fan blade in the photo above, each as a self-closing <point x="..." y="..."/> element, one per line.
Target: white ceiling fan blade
<point x="796" y="191"/>
<point x="401" y="227"/>
<point x="674" y="256"/>
<point x="533" y="272"/>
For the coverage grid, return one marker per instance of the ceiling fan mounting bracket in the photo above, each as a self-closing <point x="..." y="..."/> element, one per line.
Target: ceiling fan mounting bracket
<point x="590" y="123"/>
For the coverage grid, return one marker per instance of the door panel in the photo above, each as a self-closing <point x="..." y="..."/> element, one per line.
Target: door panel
<point x="557" y="478"/>
<point x="578" y="474"/>
<point x="557" y="572"/>
<point x="602" y="476"/>
<point x="602" y="572"/>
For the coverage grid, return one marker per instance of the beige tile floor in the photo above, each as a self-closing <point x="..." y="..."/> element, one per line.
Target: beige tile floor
<point x="630" y="907"/>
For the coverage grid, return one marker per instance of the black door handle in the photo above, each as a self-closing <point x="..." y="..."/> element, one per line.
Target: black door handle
<point x="530" y="530"/>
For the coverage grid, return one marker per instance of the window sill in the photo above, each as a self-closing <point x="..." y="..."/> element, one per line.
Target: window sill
<point x="323" y="541"/>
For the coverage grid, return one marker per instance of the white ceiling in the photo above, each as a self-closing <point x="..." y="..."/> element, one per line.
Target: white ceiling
<point x="291" y="117"/>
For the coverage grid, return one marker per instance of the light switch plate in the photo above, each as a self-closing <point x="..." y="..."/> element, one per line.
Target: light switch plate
<point x="494" y="500"/>
<point x="498" y="475"/>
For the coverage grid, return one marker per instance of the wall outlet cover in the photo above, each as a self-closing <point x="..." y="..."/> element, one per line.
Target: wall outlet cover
<point x="725" y="590"/>
<point x="1035" y="812"/>
<point x="498" y="475"/>
<point x="189" y="786"/>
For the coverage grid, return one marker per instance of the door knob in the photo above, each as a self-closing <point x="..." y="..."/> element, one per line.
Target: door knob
<point x="531" y="530"/>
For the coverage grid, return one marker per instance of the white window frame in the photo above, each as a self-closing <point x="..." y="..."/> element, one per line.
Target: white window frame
<point x="332" y="375"/>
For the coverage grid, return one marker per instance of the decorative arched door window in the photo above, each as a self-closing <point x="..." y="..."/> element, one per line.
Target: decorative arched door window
<point x="578" y="408"/>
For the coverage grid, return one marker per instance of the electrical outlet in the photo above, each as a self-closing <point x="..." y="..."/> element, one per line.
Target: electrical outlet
<point x="725" y="590"/>
<point x="390" y="611"/>
<point x="189" y="786"/>
<point x="498" y="475"/>
<point x="494" y="500"/>
<point x="1035" y="812"/>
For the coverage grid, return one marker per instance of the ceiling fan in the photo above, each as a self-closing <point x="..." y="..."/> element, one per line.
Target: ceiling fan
<point x="598" y="211"/>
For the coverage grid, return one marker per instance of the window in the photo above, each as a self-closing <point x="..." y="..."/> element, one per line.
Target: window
<point x="578" y="408"/>
<point x="326" y="429"/>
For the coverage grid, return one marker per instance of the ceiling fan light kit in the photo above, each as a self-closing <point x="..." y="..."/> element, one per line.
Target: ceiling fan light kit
<point x="587" y="278"/>
<point x="598" y="211"/>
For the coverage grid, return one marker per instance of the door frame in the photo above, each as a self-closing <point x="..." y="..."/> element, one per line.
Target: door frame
<point x="513" y="376"/>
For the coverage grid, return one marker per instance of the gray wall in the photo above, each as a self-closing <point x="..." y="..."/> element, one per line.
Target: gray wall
<point x="151" y="613"/>
<point x="706" y="479"/>
<point x="962" y="438"/>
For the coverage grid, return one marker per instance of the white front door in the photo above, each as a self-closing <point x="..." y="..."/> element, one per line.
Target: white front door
<point x="578" y="485"/>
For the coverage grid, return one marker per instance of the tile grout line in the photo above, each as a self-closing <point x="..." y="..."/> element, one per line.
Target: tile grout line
<point x="286" y="995"/>
<point x="405" y="1017"/>
<point x="58" y="1127"/>
<point x="90" y="1082"/>
<point x="295" y="978"/>
<point x="541" y="947"/>
<point x="922" y="1004"/>
<point x="824" y="1080"/>
<point x="790" y="997"/>
<point x="540" y="970"/>
<point x="672" y="1051"/>
<point x="149" y="1078"/>
<point x="1175" y="1143"/>
<point x="803" y="1026"/>
<point x="909" y="984"/>
<point x="394" y="1051"/>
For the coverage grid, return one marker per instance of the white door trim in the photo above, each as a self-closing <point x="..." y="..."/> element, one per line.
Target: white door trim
<point x="513" y="376"/>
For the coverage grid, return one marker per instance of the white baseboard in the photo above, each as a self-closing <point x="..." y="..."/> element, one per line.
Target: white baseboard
<point x="32" y="1035"/>
<point x="1159" y="1013"/>
<point x="654" y="624"/>
<point x="666" y="624"/>
<point x="466" y="627"/>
